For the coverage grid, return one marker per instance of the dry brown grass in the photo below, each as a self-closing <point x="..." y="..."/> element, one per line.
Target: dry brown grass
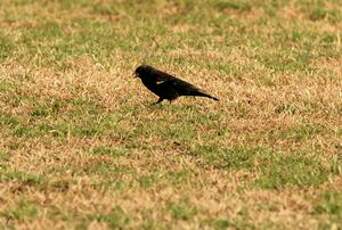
<point x="81" y="147"/>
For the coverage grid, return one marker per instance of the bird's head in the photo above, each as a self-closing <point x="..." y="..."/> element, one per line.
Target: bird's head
<point x="143" y="71"/>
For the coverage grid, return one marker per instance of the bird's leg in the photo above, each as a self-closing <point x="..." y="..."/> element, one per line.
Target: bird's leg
<point x="171" y="100"/>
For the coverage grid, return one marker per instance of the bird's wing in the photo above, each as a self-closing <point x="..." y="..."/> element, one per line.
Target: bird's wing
<point x="161" y="76"/>
<point x="179" y="87"/>
<point x="183" y="87"/>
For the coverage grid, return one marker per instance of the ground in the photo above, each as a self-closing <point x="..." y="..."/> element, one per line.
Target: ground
<point x="81" y="146"/>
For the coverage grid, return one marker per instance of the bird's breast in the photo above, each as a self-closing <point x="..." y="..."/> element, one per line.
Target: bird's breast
<point x="151" y="85"/>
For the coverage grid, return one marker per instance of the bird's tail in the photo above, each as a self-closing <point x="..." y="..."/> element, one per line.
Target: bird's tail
<point x="204" y="94"/>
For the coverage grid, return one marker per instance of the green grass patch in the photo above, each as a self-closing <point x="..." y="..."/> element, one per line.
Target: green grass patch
<point x="117" y="218"/>
<point x="24" y="178"/>
<point x="234" y="5"/>
<point x="301" y="132"/>
<point x="23" y="211"/>
<point x="320" y="13"/>
<point x="4" y="158"/>
<point x="275" y="169"/>
<point x="182" y="210"/>
<point x="6" y="46"/>
<point x="329" y="204"/>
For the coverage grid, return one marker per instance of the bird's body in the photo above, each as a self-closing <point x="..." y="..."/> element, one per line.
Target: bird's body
<point x="167" y="86"/>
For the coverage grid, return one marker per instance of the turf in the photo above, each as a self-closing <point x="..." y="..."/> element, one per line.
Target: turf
<point x="81" y="146"/>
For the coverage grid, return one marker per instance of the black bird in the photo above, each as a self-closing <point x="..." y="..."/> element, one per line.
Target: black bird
<point x="166" y="86"/>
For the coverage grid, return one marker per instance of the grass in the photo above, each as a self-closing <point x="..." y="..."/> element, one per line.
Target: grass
<point x="82" y="147"/>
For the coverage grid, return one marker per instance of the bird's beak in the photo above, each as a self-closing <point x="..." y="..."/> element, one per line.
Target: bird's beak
<point x="135" y="75"/>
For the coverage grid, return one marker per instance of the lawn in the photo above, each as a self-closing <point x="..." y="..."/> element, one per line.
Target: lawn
<point x="81" y="146"/>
